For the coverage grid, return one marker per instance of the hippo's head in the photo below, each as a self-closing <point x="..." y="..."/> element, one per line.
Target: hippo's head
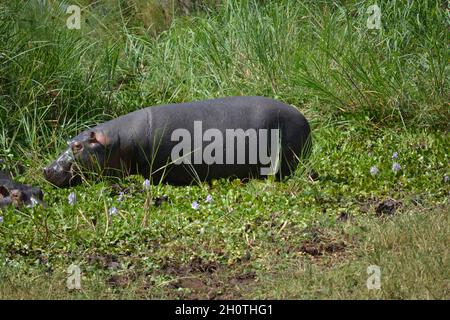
<point x="20" y="194"/>
<point x="86" y="151"/>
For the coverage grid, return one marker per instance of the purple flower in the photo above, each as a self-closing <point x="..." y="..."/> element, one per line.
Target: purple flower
<point x="1" y="219"/>
<point x="146" y="184"/>
<point x="373" y="170"/>
<point x="446" y="178"/>
<point x="120" y="198"/>
<point x="195" y="205"/>
<point x="396" y="167"/>
<point x="395" y="155"/>
<point x="113" y="211"/>
<point x="208" y="198"/>
<point x="72" y="198"/>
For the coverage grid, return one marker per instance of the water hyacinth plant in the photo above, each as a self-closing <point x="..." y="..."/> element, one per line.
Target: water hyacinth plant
<point x="113" y="211"/>
<point x="374" y="170"/>
<point x="396" y="167"/>
<point x="195" y="205"/>
<point x="146" y="184"/>
<point x="72" y="198"/>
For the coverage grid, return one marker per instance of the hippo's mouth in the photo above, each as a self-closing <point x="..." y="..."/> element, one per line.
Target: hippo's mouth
<point x="62" y="172"/>
<point x="62" y="178"/>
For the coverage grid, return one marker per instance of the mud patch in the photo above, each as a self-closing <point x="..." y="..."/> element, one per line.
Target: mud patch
<point x="119" y="280"/>
<point x="366" y="205"/>
<point x="343" y="216"/>
<point x="320" y="243"/>
<point x="196" y="264"/>
<point x="160" y="200"/>
<point x="319" y="249"/>
<point x="104" y="261"/>
<point x="203" y="279"/>
<point x="387" y="207"/>
<point x="195" y="284"/>
<point x="244" y="278"/>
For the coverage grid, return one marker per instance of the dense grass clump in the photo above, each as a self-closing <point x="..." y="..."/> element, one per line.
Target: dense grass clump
<point x="367" y="92"/>
<point x="316" y="55"/>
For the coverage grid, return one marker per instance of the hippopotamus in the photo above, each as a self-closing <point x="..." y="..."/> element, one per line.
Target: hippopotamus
<point x="17" y="194"/>
<point x="241" y="137"/>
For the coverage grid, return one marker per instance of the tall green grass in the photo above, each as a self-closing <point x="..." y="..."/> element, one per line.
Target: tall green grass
<point x="317" y="55"/>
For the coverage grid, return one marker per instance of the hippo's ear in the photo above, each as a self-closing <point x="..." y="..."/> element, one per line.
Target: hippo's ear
<point x="97" y="137"/>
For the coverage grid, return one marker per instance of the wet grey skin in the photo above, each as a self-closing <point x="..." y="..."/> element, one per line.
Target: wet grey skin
<point x="140" y="142"/>
<point x="61" y="172"/>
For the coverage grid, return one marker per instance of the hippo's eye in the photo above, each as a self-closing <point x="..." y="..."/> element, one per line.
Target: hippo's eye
<point x="77" y="147"/>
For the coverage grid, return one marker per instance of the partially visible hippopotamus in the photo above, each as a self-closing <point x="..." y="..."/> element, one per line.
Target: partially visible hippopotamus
<point x="239" y="137"/>
<point x="17" y="194"/>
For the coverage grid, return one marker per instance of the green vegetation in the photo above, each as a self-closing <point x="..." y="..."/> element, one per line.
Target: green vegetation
<point x="368" y="94"/>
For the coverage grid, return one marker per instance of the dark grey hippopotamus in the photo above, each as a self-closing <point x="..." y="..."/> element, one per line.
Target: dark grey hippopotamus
<point x="239" y="137"/>
<point x="17" y="194"/>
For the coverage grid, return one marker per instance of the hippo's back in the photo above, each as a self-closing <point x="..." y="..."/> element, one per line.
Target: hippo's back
<point x="224" y="114"/>
<point x="230" y="113"/>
